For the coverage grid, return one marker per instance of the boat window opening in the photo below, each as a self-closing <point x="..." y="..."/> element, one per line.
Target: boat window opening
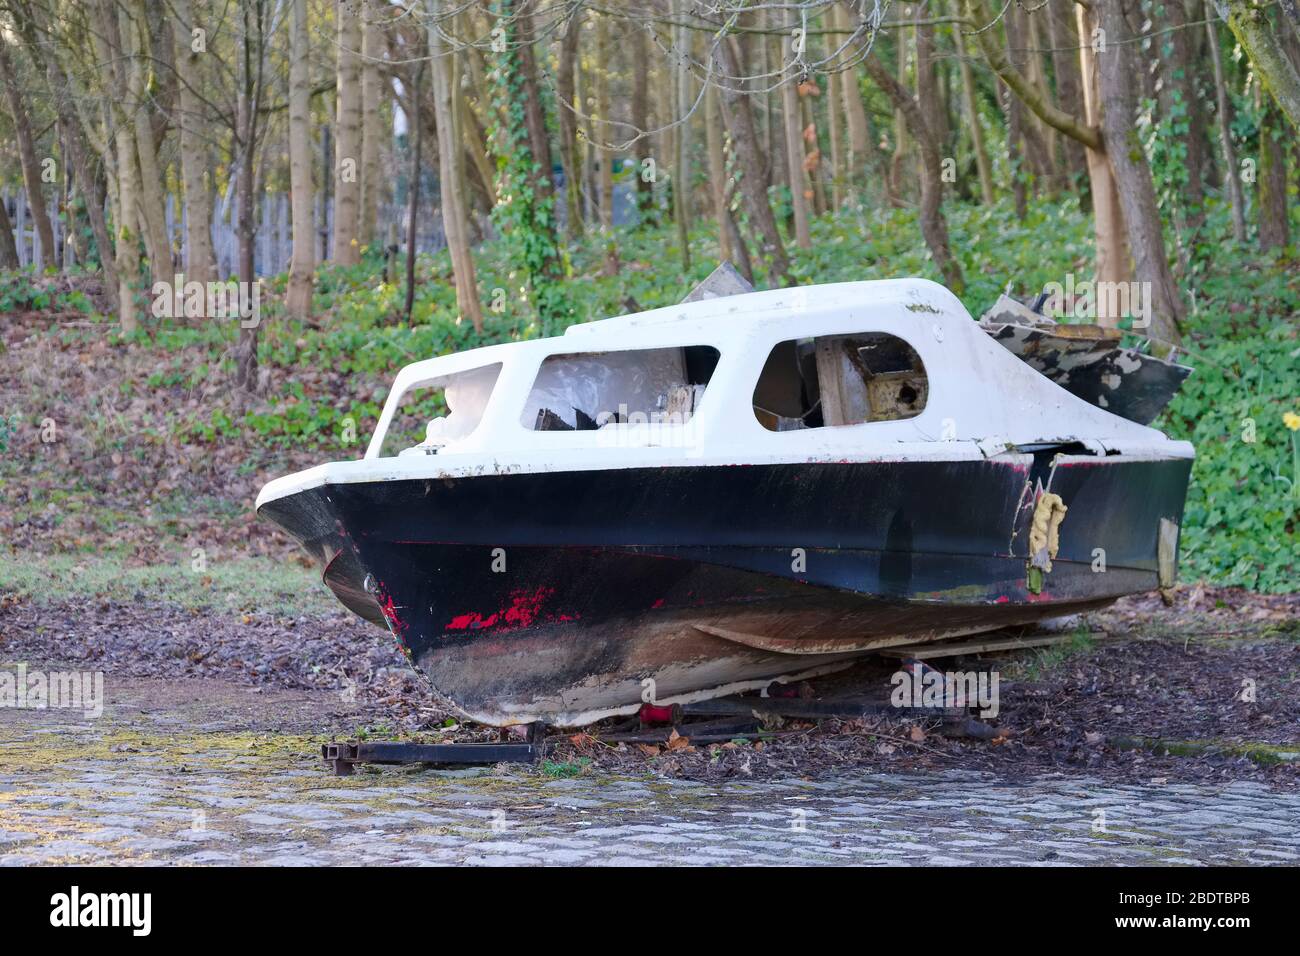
<point x="586" y="391"/>
<point x="840" y="380"/>
<point x="437" y="413"/>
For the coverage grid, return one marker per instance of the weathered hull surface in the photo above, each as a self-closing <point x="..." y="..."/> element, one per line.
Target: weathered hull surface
<point x="567" y="597"/>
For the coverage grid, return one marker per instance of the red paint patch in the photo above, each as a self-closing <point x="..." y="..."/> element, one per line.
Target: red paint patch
<point x="526" y="609"/>
<point x="396" y="625"/>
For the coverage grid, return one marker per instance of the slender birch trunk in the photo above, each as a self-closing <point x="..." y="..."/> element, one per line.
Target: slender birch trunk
<point x="855" y="113"/>
<point x="347" y="138"/>
<point x="682" y="140"/>
<point x="564" y="84"/>
<point x="800" y="191"/>
<point x="603" y="127"/>
<point x="201" y="261"/>
<point x="454" y="223"/>
<point x="373" y="181"/>
<point x="152" y="205"/>
<point x="1223" y="113"/>
<point x="969" y="95"/>
<point x="640" y="107"/>
<point x="302" y="268"/>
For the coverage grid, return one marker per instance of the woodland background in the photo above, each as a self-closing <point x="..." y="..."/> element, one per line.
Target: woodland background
<point x="458" y="174"/>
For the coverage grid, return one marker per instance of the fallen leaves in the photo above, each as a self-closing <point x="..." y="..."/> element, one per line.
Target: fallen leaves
<point x="677" y="742"/>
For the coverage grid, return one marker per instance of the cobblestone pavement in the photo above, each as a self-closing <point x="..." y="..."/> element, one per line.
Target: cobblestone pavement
<point x="142" y="791"/>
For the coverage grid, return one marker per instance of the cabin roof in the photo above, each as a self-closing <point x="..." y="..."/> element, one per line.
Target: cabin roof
<point x="745" y="312"/>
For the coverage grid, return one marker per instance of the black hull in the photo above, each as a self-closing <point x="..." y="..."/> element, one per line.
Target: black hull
<point x="568" y="596"/>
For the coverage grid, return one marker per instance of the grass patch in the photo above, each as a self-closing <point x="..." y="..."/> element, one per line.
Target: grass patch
<point x="1260" y="753"/>
<point x="1037" y="664"/>
<point x="556" y="769"/>
<point x="238" y="584"/>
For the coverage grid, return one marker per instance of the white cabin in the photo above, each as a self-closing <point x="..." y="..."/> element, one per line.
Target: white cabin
<point x="852" y="371"/>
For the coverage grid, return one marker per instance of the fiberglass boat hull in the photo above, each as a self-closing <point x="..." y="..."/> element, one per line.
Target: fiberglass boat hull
<point x="570" y="596"/>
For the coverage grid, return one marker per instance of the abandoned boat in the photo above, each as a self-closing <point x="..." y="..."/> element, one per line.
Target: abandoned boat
<point x="702" y="499"/>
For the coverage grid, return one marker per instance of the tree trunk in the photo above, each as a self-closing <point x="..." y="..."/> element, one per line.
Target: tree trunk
<point x="1185" y="80"/>
<point x="1040" y="137"/>
<point x="834" y="124"/>
<point x="454" y="222"/>
<point x="800" y="191"/>
<point x="564" y="85"/>
<point x="641" y="121"/>
<point x="1118" y="69"/>
<point x="347" y="136"/>
<point x="731" y="245"/>
<point x="250" y="53"/>
<point x="1274" y="223"/>
<point x="534" y="114"/>
<point x="813" y="159"/>
<point x="604" y="157"/>
<point x="1035" y="166"/>
<point x="1016" y="161"/>
<point x="717" y="172"/>
<point x="739" y="116"/>
<point x="475" y="139"/>
<point x="1063" y="35"/>
<point x="927" y="85"/>
<point x="414" y="134"/>
<point x="521" y="89"/>
<point x="127" y="262"/>
<point x="201" y="261"/>
<point x="1231" y="173"/>
<point x="969" y="94"/>
<point x="75" y="141"/>
<point x="1250" y="25"/>
<point x="855" y="113"/>
<point x="27" y="155"/>
<point x="1110" y="238"/>
<point x="8" y="249"/>
<point x="934" y="228"/>
<point x="152" y="206"/>
<point x="303" y="265"/>
<point x="373" y="181"/>
<point x="120" y="155"/>
<point x="899" y="159"/>
<point x="682" y="140"/>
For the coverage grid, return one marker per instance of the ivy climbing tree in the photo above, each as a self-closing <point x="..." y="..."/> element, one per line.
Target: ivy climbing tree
<point x="525" y="210"/>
